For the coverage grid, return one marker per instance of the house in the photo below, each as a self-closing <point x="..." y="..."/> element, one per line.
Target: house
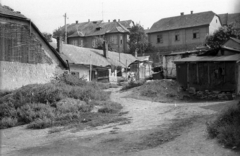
<point x="227" y="19"/>
<point x="183" y="33"/>
<point x="86" y="34"/>
<point x="25" y="55"/>
<point x="180" y="36"/>
<point x="216" y="70"/>
<point x="93" y="64"/>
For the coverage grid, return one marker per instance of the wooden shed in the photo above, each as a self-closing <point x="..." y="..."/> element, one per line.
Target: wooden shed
<point x="220" y="73"/>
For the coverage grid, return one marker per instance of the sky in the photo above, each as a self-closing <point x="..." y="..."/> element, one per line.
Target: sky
<point x="48" y="14"/>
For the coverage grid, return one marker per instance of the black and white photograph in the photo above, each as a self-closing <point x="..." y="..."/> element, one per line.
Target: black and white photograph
<point x="120" y="78"/>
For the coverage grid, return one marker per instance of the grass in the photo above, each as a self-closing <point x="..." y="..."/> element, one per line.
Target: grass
<point x="226" y="127"/>
<point x="57" y="103"/>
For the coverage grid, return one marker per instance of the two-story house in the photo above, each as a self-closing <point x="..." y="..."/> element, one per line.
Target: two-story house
<point x="116" y="33"/>
<point x="184" y="32"/>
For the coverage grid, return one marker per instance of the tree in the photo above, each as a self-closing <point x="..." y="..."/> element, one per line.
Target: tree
<point x="48" y="36"/>
<point x="138" y="40"/>
<point x="99" y="44"/>
<point x="221" y="36"/>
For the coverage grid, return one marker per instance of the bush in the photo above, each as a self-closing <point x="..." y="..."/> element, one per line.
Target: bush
<point x="110" y="107"/>
<point x="40" y="123"/>
<point x="226" y="127"/>
<point x="31" y="112"/>
<point x="7" y="122"/>
<point x="44" y="105"/>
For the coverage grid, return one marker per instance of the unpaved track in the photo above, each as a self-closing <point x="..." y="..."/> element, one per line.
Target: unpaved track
<point x="113" y="139"/>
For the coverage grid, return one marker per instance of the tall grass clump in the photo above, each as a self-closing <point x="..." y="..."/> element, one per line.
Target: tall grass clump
<point x="226" y="127"/>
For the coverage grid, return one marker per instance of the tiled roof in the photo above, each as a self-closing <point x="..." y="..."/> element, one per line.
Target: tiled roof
<point x="235" y="57"/>
<point x="79" y="55"/>
<point x="183" y="21"/>
<point x="94" y="28"/>
<point x="126" y="23"/>
<point x="230" y="18"/>
<point x="10" y="12"/>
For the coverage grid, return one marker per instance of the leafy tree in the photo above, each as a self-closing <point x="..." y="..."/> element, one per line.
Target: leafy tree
<point x="221" y="36"/>
<point x="138" y="40"/>
<point x="61" y="32"/>
<point x="99" y="44"/>
<point x="48" y="36"/>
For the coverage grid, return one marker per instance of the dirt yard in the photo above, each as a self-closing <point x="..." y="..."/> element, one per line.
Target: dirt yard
<point x="151" y="128"/>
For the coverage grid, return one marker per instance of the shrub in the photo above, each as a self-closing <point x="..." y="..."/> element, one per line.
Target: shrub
<point x="226" y="127"/>
<point x="7" y="122"/>
<point x="110" y="107"/>
<point x="40" y="123"/>
<point x="31" y="112"/>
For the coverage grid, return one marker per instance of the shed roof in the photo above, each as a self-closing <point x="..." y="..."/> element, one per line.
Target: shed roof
<point x="183" y="21"/>
<point x="79" y="55"/>
<point x="118" y="59"/>
<point x="234" y="58"/>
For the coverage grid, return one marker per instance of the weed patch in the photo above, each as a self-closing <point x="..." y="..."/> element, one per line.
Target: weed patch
<point x="56" y="103"/>
<point x="226" y="127"/>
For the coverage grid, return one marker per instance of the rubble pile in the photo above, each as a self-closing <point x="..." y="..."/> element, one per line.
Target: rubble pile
<point x="210" y="95"/>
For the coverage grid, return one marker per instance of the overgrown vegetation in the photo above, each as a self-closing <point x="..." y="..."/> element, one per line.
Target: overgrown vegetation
<point x="222" y="35"/>
<point x="57" y="103"/>
<point x="132" y="84"/>
<point x="226" y="127"/>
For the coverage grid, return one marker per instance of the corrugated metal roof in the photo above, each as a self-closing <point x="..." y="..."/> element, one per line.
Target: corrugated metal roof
<point x="209" y="58"/>
<point x="183" y="21"/>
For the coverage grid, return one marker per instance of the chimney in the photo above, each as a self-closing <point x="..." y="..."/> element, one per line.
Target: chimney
<point x="114" y="20"/>
<point x="108" y="21"/>
<point x="118" y="20"/>
<point x="88" y="20"/>
<point x="182" y="13"/>
<point x="76" y="22"/>
<point x="105" y="49"/>
<point x="136" y="52"/>
<point x="191" y="12"/>
<point x="59" y="44"/>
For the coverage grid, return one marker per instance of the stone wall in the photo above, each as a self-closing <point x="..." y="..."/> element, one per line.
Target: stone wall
<point x="15" y="75"/>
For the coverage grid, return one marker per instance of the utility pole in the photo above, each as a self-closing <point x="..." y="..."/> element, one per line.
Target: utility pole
<point x="65" y="24"/>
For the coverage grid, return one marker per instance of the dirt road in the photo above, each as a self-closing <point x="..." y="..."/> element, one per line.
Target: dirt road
<point x="146" y="120"/>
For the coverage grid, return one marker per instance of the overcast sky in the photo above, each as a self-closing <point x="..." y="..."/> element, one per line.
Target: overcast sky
<point x="48" y="14"/>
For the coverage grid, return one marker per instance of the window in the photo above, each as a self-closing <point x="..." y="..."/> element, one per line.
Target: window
<point x="94" y="43"/>
<point x="121" y="40"/>
<point x="177" y="37"/>
<point x="159" y="38"/>
<point x="196" y="34"/>
<point x="81" y="44"/>
<point x="113" y="39"/>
